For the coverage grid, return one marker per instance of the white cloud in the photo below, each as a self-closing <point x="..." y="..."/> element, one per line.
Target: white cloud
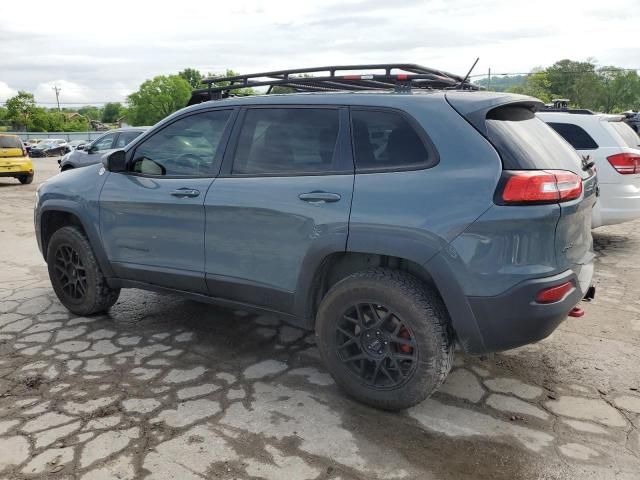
<point x="6" y="92"/>
<point x="105" y="52"/>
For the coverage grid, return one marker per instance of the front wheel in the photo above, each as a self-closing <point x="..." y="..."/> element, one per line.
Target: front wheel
<point x="75" y="274"/>
<point x="25" y="179"/>
<point x="385" y="338"/>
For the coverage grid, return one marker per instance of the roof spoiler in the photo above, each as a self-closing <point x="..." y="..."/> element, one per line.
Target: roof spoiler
<point x="475" y="108"/>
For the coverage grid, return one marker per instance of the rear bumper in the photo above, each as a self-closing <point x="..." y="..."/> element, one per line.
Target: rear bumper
<point x="618" y="203"/>
<point x="513" y="318"/>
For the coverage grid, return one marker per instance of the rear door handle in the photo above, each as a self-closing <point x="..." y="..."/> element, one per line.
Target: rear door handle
<point x="319" y="197"/>
<point x="185" y="192"/>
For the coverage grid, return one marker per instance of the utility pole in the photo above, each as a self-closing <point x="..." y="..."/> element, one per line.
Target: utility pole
<point x="489" y="80"/>
<point x="57" y="90"/>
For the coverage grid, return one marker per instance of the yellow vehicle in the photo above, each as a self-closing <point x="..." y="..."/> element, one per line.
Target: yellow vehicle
<point x="14" y="161"/>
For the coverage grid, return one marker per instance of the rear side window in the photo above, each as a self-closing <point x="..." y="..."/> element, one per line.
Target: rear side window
<point x="527" y="143"/>
<point x="575" y="135"/>
<point x="630" y="138"/>
<point x="104" y="143"/>
<point x="286" y="141"/>
<point x="386" y="140"/>
<point x="7" y="141"/>
<point x="125" y="138"/>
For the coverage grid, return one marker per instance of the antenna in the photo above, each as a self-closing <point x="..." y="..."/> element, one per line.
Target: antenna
<point x="466" y="77"/>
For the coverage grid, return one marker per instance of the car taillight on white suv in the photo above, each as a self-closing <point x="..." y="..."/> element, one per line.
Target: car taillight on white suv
<point x="523" y="187"/>
<point x="625" y="163"/>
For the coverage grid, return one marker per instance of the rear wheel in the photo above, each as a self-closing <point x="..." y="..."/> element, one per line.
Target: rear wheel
<point x="385" y="338"/>
<point x="25" y="179"/>
<point x="75" y="274"/>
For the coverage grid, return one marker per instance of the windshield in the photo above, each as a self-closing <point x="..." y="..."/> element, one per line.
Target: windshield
<point x="527" y="143"/>
<point x="10" y="142"/>
<point x="630" y="138"/>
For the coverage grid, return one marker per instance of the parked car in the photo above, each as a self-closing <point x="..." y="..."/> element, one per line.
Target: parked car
<point x="49" y="147"/>
<point x="633" y="120"/>
<point x="393" y="225"/>
<point x="14" y="161"/>
<point x="615" y="149"/>
<point x="74" y="144"/>
<point x="89" y="153"/>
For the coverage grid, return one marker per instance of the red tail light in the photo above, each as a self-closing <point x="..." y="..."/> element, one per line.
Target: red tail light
<point x="539" y="186"/>
<point x="625" y="163"/>
<point x="554" y="294"/>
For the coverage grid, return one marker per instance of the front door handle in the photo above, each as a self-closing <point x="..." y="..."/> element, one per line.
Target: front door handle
<point x="319" y="197"/>
<point x="185" y="192"/>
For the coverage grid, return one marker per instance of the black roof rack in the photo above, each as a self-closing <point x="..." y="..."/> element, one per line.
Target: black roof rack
<point x="562" y="105"/>
<point x="405" y="77"/>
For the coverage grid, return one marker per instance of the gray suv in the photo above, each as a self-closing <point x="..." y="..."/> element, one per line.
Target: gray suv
<point x="90" y="153"/>
<point x="393" y="224"/>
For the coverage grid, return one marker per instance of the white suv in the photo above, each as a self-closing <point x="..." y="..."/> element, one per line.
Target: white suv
<point x="615" y="149"/>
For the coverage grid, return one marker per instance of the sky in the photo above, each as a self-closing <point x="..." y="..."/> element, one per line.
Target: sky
<point x="101" y="51"/>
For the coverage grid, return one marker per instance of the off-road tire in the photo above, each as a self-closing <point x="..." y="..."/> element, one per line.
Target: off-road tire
<point x="25" y="179"/>
<point x="420" y="308"/>
<point x="99" y="297"/>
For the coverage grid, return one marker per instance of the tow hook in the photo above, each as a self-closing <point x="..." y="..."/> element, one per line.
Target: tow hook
<point x="576" y="312"/>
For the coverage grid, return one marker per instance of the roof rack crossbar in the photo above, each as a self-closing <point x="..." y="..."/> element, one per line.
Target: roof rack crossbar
<point x="301" y="80"/>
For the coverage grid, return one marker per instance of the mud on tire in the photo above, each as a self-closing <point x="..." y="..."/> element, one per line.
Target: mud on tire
<point x="75" y="274"/>
<point x="385" y="337"/>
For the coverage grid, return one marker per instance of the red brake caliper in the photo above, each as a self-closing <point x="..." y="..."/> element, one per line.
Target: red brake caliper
<point x="404" y="333"/>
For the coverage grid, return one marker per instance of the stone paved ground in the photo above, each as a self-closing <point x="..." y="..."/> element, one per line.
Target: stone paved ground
<point x="167" y="388"/>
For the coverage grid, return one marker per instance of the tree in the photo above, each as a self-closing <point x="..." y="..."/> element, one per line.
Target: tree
<point x="20" y="109"/>
<point x="89" y="111"/>
<point x="192" y="76"/>
<point x="620" y="89"/>
<point x="563" y="75"/>
<point x="112" y="112"/>
<point x="536" y="85"/>
<point x="158" y="98"/>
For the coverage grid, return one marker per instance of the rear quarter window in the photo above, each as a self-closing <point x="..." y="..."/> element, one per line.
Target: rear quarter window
<point x="525" y="142"/>
<point x="387" y="140"/>
<point x="575" y="135"/>
<point x="629" y="137"/>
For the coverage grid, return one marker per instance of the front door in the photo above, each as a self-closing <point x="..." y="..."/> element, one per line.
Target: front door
<point x="152" y="216"/>
<point x="281" y="203"/>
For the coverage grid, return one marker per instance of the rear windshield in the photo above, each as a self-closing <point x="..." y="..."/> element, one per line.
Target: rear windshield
<point x="631" y="138"/>
<point x="527" y="143"/>
<point x="10" y="142"/>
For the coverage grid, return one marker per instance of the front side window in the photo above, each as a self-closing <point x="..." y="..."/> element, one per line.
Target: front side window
<point x="287" y="140"/>
<point x="187" y="147"/>
<point x="104" y="143"/>
<point x="575" y="135"/>
<point x="386" y="140"/>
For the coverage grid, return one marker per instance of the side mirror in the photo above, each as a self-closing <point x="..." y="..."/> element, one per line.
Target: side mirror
<point x="80" y="147"/>
<point x="90" y="149"/>
<point x="115" y="161"/>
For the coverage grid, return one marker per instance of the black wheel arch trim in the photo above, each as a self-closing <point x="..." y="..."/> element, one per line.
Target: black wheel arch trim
<point x="90" y="229"/>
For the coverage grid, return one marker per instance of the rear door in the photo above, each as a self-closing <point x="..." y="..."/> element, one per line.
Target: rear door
<point x="152" y="216"/>
<point x="280" y="205"/>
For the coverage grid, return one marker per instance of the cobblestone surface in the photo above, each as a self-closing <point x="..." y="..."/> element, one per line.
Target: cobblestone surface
<point x="166" y="388"/>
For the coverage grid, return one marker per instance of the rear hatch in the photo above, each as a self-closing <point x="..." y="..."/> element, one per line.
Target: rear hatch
<point x="10" y="146"/>
<point x="527" y="145"/>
